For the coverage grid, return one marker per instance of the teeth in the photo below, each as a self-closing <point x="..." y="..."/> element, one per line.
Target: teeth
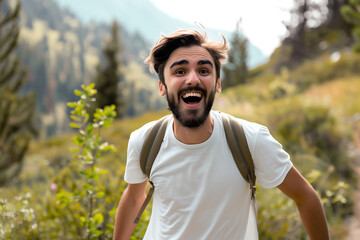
<point x="192" y="94"/>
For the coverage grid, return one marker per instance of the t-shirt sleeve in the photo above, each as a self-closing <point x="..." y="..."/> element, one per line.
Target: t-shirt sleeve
<point x="272" y="163"/>
<point x="133" y="173"/>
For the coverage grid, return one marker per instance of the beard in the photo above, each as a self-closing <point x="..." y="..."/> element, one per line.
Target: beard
<point x="191" y="118"/>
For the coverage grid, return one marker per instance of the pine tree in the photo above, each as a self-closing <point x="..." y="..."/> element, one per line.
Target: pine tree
<point x="108" y="76"/>
<point x="351" y="13"/>
<point x="236" y="70"/>
<point x="334" y="15"/>
<point x="17" y="111"/>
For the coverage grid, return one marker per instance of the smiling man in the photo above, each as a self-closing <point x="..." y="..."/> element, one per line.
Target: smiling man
<point x="199" y="192"/>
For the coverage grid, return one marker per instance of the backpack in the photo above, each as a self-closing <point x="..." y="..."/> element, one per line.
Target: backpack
<point x="235" y="138"/>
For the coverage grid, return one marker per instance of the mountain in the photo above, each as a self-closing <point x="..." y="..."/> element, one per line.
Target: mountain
<point x="145" y="18"/>
<point x="61" y="53"/>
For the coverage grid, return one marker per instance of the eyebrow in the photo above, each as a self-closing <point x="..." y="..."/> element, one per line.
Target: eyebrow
<point x="204" y="62"/>
<point x="182" y="62"/>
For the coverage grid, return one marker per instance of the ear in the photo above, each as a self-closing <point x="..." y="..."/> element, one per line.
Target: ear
<point x="218" y="85"/>
<point x="162" y="89"/>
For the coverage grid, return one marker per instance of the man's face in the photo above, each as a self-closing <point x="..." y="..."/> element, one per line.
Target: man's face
<point x="190" y="85"/>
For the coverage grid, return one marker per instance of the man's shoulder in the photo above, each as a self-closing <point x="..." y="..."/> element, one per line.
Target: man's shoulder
<point x="247" y="125"/>
<point x="143" y="131"/>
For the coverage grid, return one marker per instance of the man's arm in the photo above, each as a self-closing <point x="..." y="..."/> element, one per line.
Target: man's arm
<point x="129" y="205"/>
<point x="308" y="203"/>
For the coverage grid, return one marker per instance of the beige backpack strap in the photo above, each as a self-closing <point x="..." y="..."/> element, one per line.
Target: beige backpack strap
<point x="152" y="145"/>
<point x="239" y="148"/>
<point x="149" y="150"/>
<point x="145" y="203"/>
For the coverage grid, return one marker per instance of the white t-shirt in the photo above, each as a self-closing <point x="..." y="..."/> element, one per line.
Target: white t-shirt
<point x="199" y="191"/>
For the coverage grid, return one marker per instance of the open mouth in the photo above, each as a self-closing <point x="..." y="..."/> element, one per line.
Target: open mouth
<point x="192" y="97"/>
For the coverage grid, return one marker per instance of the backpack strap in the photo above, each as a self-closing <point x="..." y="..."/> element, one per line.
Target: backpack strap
<point x="152" y="145"/>
<point x="149" y="151"/>
<point x="239" y="148"/>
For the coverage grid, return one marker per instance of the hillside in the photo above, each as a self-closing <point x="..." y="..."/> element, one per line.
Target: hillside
<point x="61" y="53"/>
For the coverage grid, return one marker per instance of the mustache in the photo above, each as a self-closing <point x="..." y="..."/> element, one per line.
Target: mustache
<point x="196" y="88"/>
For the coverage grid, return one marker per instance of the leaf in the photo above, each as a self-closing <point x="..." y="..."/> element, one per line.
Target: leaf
<point x="91" y="86"/>
<point x="89" y="129"/>
<point x="78" y="140"/>
<point x="77" y="92"/>
<point x="339" y="198"/>
<point x="72" y="104"/>
<point x="107" y="122"/>
<point x="74" y="125"/>
<point x="329" y="193"/>
<point x="72" y="149"/>
<point x="83" y="219"/>
<point x="100" y="194"/>
<point x="100" y="171"/>
<point x="75" y="118"/>
<point x="88" y="187"/>
<point x="98" y="218"/>
<point x="103" y="146"/>
<point x="96" y="233"/>
<point x="113" y="211"/>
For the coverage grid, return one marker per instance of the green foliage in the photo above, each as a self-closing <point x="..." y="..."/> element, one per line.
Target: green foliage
<point x="16" y="214"/>
<point x="236" y="70"/>
<point x="278" y="217"/>
<point x="281" y="85"/>
<point x="108" y="75"/>
<point x="17" y="126"/>
<point x="351" y="13"/>
<point x="325" y="68"/>
<point x="312" y="128"/>
<point x="90" y="148"/>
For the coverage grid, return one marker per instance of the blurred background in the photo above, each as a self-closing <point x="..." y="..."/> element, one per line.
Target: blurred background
<point x="293" y="66"/>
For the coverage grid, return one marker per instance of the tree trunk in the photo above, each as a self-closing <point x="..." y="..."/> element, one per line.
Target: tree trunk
<point x="0" y="16"/>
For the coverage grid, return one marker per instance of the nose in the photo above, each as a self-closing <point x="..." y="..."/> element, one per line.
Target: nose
<point x="192" y="79"/>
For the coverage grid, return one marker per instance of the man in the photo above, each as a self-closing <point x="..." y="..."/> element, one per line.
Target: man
<point x="199" y="192"/>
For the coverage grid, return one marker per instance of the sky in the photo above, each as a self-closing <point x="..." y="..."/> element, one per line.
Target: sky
<point x="261" y="19"/>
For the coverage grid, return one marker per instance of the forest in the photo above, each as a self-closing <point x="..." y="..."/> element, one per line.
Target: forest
<point x="71" y="94"/>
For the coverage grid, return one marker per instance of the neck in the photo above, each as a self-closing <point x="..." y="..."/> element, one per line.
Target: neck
<point x="194" y="135"/>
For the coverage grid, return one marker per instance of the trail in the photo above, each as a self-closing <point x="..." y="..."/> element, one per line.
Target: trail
<point x="354" y="221"/>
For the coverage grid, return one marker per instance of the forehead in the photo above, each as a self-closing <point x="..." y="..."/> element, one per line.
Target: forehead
<point x="191" y="54"/>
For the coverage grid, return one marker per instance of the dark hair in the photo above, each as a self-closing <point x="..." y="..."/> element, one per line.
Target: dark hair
<point x="162" y="50"/>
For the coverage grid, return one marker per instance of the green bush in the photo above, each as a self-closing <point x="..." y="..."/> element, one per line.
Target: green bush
<point x="316" y="141"/>
<point x="324" y="69"/>
<point x="312" y="129"/>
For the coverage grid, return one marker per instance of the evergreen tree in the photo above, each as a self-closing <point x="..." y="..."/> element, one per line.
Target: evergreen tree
<point x="309" y="17"/>
<point x="108" y="75"/>
<point x="334" y="16"/>
<point x="236" y="70"/>
<point x="351" y="13"/>
<point x="17" y="112"/>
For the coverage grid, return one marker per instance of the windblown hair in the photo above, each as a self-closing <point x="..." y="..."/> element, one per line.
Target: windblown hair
<point x="162" y="50"/>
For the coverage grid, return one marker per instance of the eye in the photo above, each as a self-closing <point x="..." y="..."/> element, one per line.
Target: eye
<point x="204" y="71"/>
<point x="179" y="72"/>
